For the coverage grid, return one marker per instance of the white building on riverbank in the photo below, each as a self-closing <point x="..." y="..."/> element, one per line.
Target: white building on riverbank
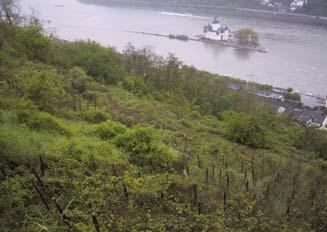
<point x="214" y="31"/>
<point x="298" y="4"/>
<point x="324" y="125"/>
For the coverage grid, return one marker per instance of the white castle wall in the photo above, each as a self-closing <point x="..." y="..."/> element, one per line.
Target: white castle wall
<point x="225" y="35"/>
<point x="215" y="26"/>
<point x="214" y="33"/>
<point x="214" y="36"/>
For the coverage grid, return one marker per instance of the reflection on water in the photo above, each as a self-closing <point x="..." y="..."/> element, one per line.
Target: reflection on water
<point x="216" y="50"/>
<point x="293" y="49"/>
<point x="243" y="54"/>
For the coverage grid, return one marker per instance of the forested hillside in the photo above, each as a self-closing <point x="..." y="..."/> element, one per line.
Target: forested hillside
<point x="183" y="3"/>
<point x="314" y="7"/>
<point x="96" y="140"/>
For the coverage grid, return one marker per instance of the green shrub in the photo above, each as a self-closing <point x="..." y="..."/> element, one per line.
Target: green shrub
<point x="1" y="116"/>
<point x="108" y="130"/>
<point x="220" y="148"/>
<point x="292" y="96"/>
<point x="245" y="129"/>
<point x="17" y="103"/>
<point x="158" y="96"/>
<point x="8" y="117"/>
<point x="45" y="87"/>
<point x="129" y="83"/>
<point x="143" y="148"/>
<point x="313" y="140"/>
<point x="95" y="116"/>
<point x="126" y="120"/>
<point x="99" y="62"/>
<point x="186" y="123"/>
<point x="137" y="140"/>
<point x="42" y="121"/>
<point x="32" y="43"/>
<point x="194" y="115"/>
<point x="134" y="84"/>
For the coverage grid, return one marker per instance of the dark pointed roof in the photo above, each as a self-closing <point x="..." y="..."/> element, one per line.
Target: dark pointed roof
<point x="215" y="20"/>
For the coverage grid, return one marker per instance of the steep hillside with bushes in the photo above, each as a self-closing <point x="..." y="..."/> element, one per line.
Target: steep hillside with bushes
<point x="96" y="140"/>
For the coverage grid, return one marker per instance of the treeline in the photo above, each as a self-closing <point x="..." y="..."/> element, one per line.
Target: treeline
<point x="181" y="3"/>
<point x="314" y="7"/>
<point x="96" y="140"/>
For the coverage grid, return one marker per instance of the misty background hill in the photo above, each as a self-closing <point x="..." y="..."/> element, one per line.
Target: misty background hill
<point x="312" y="7"/>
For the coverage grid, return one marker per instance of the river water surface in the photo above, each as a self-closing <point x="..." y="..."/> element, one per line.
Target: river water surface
<point x="297" y="54"/>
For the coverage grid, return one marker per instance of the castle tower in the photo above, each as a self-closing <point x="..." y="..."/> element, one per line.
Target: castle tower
<point x="215" y="24"/>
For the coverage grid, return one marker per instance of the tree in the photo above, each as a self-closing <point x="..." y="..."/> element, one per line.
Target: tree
<point x="44" y="88"/>
<point x="246" y="36"/>
<point x="78" y="85"/>
<point x="130" y="54"/>
<point x="294" y="96"/>
<point x="181" y="105"/>
<point x="313" y="140"/>
<point x="103" y="64"/>
<point x="9" y="12"/>
<point x="172" y="67"/>
<point x="31" y="42"/>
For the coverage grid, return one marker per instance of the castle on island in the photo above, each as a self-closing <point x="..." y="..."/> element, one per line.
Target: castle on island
<point x="214" y="31"/>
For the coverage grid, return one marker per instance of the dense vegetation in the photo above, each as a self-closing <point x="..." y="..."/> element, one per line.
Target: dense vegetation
<point x="247" y="37"/>
<point x="193" y="3"/>
<point x="95" y="140"/>
<point x="291" y="95"/>
<point x="315" y="7"/>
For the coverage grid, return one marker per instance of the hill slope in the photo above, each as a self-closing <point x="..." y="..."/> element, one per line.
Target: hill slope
<point x="95" y="140"/>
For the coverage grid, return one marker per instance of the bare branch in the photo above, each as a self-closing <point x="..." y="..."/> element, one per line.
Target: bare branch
<point x="9" y="12"/>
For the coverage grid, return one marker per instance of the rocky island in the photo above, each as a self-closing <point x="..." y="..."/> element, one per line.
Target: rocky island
<point x="244" y="38"/>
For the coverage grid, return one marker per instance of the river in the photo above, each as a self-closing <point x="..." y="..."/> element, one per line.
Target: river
<point x="297" y="54"/>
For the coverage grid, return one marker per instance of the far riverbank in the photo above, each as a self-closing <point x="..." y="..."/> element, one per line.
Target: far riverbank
<point x="217" y="10"/>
